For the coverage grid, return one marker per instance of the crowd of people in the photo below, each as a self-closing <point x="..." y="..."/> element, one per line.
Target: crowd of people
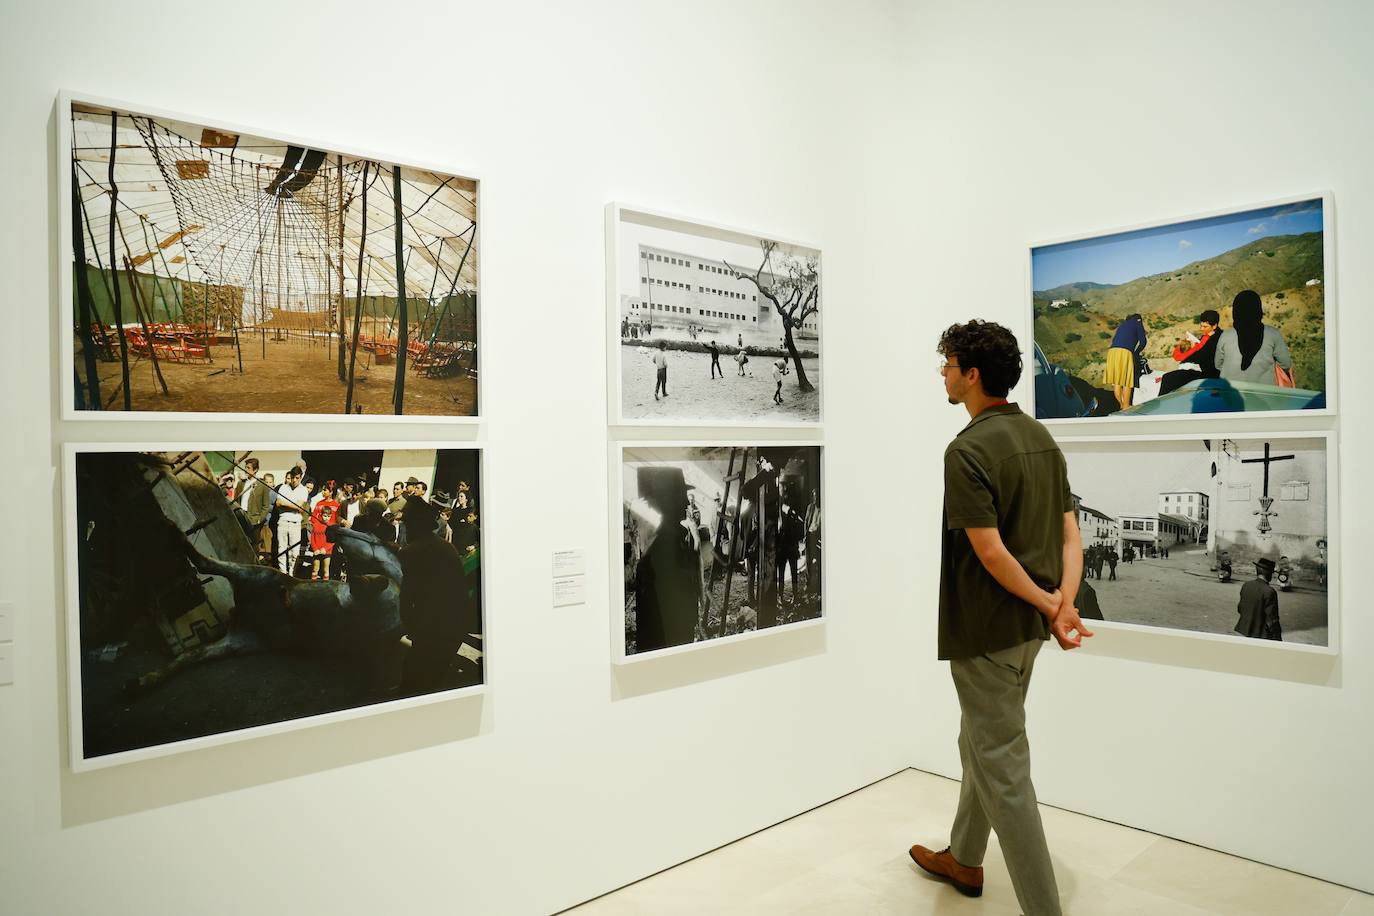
<point x="435" y="539"/>
<point x="288" y="523"/>
<point x="1248" y="351"/>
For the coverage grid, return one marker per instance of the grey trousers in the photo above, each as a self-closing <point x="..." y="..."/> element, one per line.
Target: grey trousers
<point x="997" y="793"/>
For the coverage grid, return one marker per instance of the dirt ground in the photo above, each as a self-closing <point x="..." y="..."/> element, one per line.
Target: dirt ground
<point x="1183" y="593"/>
<point x="740" y="615"/>
<point x="694" y="395"/>
<point x="297" y="376"/>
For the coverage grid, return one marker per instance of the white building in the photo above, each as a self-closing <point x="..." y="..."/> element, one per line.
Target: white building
<point x="1139" y="530"/>
<point x="1294" y="522"/>
<point x="677" y="289"/>
<point x="1059" y="303"/>
<point x="1192" y="508"/>
<point x="1097" y="528"/>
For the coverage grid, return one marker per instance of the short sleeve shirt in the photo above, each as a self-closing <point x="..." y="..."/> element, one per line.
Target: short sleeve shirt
<point x="1004" y="471"/>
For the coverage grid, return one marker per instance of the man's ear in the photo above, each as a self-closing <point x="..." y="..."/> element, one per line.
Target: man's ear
<point x="974" y="376"/>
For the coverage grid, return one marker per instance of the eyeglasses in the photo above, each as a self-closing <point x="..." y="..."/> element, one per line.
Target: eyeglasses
<point x="946" y="364"/>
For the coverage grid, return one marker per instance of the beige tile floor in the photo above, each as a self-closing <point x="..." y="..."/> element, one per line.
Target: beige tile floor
<point x="850" y="857"/>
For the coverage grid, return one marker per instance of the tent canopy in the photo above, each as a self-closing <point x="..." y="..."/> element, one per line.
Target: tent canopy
<point x="224" y="209"/>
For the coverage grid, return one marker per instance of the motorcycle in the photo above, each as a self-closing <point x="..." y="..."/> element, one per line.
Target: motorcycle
<point x="1224" y="571"/>
<point x="1285" y="578"/>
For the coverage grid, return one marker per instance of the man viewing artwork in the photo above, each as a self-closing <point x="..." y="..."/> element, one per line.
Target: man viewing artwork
<point x="1011" y="565"/>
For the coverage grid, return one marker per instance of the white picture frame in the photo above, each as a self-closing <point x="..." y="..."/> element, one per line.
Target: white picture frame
<point x="692" y="232"/>
<point x="617" y="452"/>
<point x="79" y="762"/>
<point x="1174" y="224"/>
<point x="66" y="296"/>
<point x="1328" y="439"/>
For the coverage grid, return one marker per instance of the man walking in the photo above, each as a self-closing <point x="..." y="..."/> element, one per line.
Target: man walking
<point x="1011" y="566"/>
<point x="715" y="360"/>
<point x="1259" y="605"/>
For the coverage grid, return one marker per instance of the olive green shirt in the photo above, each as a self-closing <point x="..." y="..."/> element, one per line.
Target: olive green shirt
<point x="1002" y="471"/>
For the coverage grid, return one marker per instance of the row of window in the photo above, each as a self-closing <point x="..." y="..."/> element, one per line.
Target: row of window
<point x="681" y="262"/>
<point x="657" y="281"/>
<point x="684" y="310"/>
<point x="1179" y="497"/>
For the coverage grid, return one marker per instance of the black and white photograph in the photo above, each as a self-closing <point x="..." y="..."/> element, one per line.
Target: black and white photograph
<point x="1228" y="536"/>
<point x="218" y="591"/>
<point x="718" y="541"/>
<point x="216" y="270"/>
<point x="711" y="325"/>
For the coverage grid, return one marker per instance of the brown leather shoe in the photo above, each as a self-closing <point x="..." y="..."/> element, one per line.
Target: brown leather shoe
<point x="967" y="880"/>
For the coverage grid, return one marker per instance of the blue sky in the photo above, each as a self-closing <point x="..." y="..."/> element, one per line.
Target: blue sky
<point x="1129" y="255"/>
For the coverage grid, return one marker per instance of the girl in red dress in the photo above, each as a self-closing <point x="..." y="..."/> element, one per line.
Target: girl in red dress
<point x="325" y="514"/>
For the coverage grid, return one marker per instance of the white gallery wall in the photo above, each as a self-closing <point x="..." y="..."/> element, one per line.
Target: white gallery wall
<point x="922" y="147"/>
<point x="1042" y="120"/>
<point x="566" y="778"/>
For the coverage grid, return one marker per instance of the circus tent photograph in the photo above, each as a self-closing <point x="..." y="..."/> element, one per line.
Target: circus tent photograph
<point x="216" y="272"/>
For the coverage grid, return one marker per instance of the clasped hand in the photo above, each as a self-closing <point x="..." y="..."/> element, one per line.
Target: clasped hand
<point x="1065" y="625"/>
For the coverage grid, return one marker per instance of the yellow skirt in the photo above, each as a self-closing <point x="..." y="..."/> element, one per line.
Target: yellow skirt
<point x="1120" y="369"/>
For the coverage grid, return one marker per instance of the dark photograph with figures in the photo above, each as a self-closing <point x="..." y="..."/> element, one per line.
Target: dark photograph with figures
<point x="1228" y="535"/>
<point x="222" y="590"/>
<point x="213" y="271"/>
<point x="715" y="325"/>
<point x="719" y="541"/>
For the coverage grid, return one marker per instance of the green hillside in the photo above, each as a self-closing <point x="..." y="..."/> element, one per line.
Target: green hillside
<point x="1277" y="267"/>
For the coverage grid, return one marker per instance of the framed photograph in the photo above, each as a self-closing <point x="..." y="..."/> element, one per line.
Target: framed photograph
<point x="1228" y="312"/>
<point x="212" y="269"/>
<point x="1227" y="537"/>
<point x="231" y="591"/>
<point x="710" y="326"/>
<point x="715" y="543"/>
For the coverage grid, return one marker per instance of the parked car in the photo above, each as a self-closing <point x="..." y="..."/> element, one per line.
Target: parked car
<point x="1055" y="395"/>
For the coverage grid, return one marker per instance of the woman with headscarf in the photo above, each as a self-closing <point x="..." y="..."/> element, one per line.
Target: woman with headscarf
<point x="1127" y="344"/>
<point x="1250" y="350"/>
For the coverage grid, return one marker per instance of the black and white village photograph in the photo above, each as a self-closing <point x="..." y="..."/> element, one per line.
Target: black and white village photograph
<point x="222" y="590"/>
<point x="719" y="541"/>
<point x="1227" y="535"/>
<point x="715" y="326"/>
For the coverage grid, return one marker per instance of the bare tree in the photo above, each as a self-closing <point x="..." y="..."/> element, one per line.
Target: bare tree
<point x="793" y="288"/>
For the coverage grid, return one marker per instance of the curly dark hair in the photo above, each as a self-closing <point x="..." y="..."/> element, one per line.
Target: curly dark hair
<point x="987" y="347"/>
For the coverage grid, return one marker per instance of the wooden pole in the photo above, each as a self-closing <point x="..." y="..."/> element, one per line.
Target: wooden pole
<point x="83" y="299"/>
<point x="143" y="320"/>
<point x="358" y="301"/>
<point x="104" y="278"/>
<point x="715" y="542"/>
<point x="454" y="285"/>
<point x="340" y="265"/>
<point x="403" y="332"/>
<point x="734" y="540"/>
<point x="118" y="303"/>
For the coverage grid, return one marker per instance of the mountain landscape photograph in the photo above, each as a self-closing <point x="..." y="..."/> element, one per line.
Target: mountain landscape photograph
<point x="1170" y="275"/>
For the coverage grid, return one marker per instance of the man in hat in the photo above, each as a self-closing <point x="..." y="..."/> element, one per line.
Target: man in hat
<point x="444" y="503"/>
<point x="1259" y="605"/>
